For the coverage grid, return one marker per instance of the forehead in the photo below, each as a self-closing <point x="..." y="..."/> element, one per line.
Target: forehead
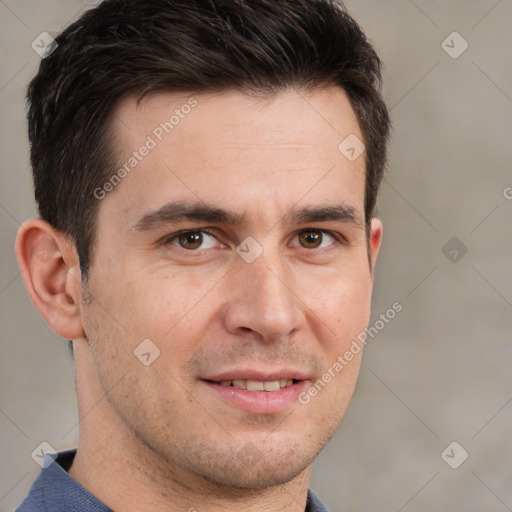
<point x="233" y="148"/>
<point x="232" y="116"/>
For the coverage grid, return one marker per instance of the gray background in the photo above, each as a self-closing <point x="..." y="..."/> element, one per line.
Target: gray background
<point x="437" y="373"/>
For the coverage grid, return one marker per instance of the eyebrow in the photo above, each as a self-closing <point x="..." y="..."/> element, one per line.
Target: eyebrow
<point x="339" y="213"/>
<point x="175" y="212"/>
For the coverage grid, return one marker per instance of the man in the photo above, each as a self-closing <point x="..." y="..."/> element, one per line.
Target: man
<point x="206" y="173"/>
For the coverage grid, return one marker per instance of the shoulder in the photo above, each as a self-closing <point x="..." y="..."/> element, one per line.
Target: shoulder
<point x="55" y="491"/>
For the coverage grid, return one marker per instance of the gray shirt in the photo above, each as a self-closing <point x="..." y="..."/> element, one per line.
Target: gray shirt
<point x="55" y="491"/>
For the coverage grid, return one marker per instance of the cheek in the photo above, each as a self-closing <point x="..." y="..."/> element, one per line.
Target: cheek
<point x="111" y="322"/>
<point x="344" y="306"/>
<point x="164" y="306"/>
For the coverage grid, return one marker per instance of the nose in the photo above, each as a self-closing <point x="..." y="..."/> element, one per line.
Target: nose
<point x="262" y="300"/>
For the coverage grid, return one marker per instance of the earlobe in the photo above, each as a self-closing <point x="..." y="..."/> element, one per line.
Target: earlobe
<point x="375" y="241"/>
<point x="51" y="273"/>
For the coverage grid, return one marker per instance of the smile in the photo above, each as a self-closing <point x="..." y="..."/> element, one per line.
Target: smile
<point x="255" y="385"/>
<point x="269" y="394"/>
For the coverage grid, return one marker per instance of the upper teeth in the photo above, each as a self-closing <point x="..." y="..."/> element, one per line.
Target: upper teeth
<point x="254" y="385"/>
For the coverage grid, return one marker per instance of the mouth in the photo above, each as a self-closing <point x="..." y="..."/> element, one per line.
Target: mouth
<point x="257" y="385"/>
<point x="257" y="393"/>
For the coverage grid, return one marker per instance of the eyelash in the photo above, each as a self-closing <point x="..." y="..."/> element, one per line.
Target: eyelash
<point x="172" y="236"/>
<point x="337" y="237"/>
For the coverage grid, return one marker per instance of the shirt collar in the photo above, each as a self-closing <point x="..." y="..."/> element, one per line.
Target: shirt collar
<point x="56" y="491"/>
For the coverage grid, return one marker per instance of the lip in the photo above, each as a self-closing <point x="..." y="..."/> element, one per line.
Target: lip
<point x="257" y="402"/>
<point x="258" y="375"/>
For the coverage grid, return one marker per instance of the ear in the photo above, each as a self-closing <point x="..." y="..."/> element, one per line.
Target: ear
<point x="374" y="242"/>
<point x="51" y="272"/>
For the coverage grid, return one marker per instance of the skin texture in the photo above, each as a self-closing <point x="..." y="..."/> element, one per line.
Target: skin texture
<point x="158" y="437"/>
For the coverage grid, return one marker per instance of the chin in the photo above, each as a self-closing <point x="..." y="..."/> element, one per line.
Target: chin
<point x="259" y="463"/>
<point x="260" y="473"/>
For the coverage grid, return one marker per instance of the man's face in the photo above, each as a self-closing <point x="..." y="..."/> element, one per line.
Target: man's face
<point x="237" y="246"/>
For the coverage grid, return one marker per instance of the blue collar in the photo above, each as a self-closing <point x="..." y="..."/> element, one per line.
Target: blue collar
<point x="55" y="491"/>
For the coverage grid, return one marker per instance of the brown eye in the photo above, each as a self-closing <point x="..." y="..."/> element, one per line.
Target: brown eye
<point x="199" y="240"/>
<point x="311" y="239"/>
<point x="191" y="240"/>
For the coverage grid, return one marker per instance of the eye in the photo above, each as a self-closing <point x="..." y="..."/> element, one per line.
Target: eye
<point x="315" y="239"/>
<point x="193" y="240"/>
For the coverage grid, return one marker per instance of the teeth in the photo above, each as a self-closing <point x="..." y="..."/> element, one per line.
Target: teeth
<point x="255" y="385"/>
<point x="242" y="384"/>
<point x="272" y="385"/>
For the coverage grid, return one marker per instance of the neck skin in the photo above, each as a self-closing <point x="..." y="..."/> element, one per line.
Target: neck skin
<point x="113" y="465"/>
